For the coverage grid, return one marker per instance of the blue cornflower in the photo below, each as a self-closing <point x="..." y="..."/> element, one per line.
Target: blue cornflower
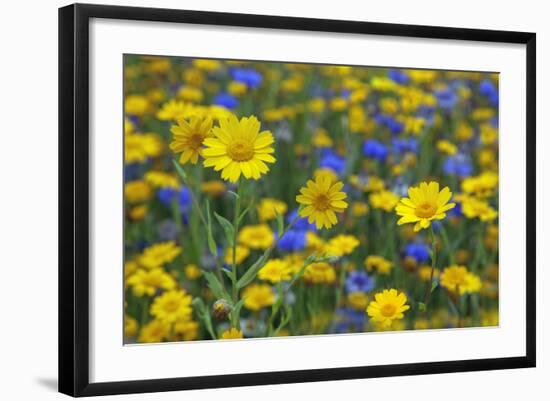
<point x="226" y="100"/>
<point x="348" y="320"/>
<point x="331" y="160"/>
<point x="375" y="149"/>
<point x="418" y="251"/>
<point x="402" y="145"/>
<point x="398" y="76"/>
<point x="458" y="165"/>
<point x="488" y="89"/>
<point x="389" y="122"/>
<point x="248" y="76"/>
<point x="293" y="241"/>
<point x="359" y="282"/>
<point x="446" y="98"/>
<point x="166" y="195"/>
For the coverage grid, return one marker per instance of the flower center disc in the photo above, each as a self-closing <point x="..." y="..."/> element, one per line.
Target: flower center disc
<point x="388" y="310"/>
<point x="171" y="306"/>
<point x="321" y="202"/>
<point x="425" y="210"/>
<point x="195" y="141"/>
<point x="240" y="151"/>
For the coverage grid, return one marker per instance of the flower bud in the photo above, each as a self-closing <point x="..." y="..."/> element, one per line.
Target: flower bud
<point x="221" y="309"/>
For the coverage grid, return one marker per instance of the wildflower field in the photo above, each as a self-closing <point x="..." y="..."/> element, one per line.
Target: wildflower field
<point x="275" y="199"/>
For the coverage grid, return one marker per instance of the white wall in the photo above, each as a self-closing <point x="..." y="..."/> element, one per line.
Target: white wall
<point x="28" y="198"/>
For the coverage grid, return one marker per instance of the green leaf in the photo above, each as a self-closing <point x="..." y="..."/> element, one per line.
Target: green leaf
<point x="180" y="171"/>
<point x="434" y="285"/>
<point x="280" y="223"/>
<point x="215" y="285"/>
<point x="236" y="195"/>
<point x="251" y="273"/>
<point x="228" y="274"/>
<point x="227" y="228"/>
<point x="211" y="242"/>
<point x="421" y="306"/>
<point x="198" y="304"/>
<point x="245" y="211"/>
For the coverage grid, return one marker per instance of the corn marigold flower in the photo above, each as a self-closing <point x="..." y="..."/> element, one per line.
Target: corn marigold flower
<point x="477" y="208"/>
<point x="189" y="137"/>
<point x="192" y="271"/>
<point x="388" y="306"/>
<point x="137" y="191"/>
<point x="213" y="188"/>
<point x="322" y="199"/>
<point x="385" y="200"/>
<point x="154" y="332"/>
<point x="275" y="270"/>
<point x="130" y="326"/>
<point x="258" y="296"/>
<point x="481" y="186"/>
<point x="358" y="300"/>
<point x="232" y="334"/>
<point x="425" y="273"/>
<point x="320" y="273"/>
<point x="147" y="282"/>
<point x="258" y="236"/>
<point x="241" y="253"/>
<point x="268" y="208"/>
<point x="140" y="147"/>
<point x="174" y="109"/>
<point x="187" y="329"/>
<point x="457" y="278"/>
<point x="238" y="147"/>
<point x="137" y="105"/>
<point x="159" y="254"/>
<point x="378" y="263"/>
<point x="424" y="204"/>
<point x="446" y="147"/>
<point x="161" y="179"/>
<point x="172" y="305"/>
<point x="342" y="245"/>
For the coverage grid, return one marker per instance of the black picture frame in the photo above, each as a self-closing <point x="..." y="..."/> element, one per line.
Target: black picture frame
<point x="74" y="198"/>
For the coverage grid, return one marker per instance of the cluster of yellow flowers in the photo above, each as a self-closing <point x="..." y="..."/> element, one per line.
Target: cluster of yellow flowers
<point x="308" y="199"/>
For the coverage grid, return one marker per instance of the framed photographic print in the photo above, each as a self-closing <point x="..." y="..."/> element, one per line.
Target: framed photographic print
<point x="249" y="199"/>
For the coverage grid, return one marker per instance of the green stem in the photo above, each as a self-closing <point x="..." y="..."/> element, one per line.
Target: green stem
<point x="235" y="318"/>
<point x="428" y="292"/>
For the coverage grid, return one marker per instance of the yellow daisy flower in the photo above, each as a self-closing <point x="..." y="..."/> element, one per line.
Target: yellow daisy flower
<point x="322" y="200"/>
<point x="275" y="270"/>
<point x="232" y="334"/>
<point x="154" y="332"/>
<point x="269" y="208"/>
<point x="158" y="254"/>
<point x="171" y="306"/>
<point x="189" y="137"/>
<point x="241" y="254"/>
<point x="425" y="203"/>
<point x="387" y="306"/>
<point x="378" y="263"/>
<point x="238" y="147"/>
<point x="320" y="273"/>
<point x="342" y="245"/>
<point x="147" y="282"/>
<point x="457" y="278"/>
<point x="258" y="296"/>
<point x="257" y="236"/>
<point x="385" y="200"/>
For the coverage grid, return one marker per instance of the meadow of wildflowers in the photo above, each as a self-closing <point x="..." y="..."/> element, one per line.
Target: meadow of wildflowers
<point x="275" y="199"/>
